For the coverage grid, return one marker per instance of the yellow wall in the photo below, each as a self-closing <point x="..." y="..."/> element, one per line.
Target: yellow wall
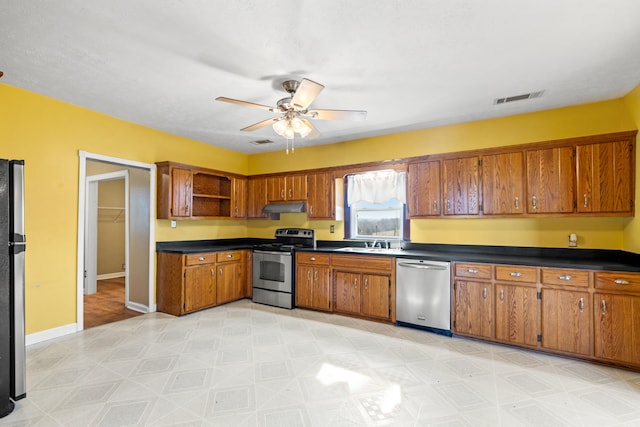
<point x="588" y="119"/>
<point x="632" y="226"/>
<point x="47" y="134"/>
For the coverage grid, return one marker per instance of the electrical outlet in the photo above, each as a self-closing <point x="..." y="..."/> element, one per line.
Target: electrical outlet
<point x="332" y="228"/>
<point x="174" y="223"/>
<point x="573" y="240"/>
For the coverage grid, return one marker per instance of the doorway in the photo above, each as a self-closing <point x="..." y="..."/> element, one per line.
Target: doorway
<point x="136" y="212"/>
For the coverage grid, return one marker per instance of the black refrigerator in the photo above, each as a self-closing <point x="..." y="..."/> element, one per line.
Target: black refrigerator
<point x="12" y="247"/>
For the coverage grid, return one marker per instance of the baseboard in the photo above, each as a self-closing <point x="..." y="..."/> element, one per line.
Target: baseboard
<point x="48" y="334"/>
<point x="110" y="275"/>
<point x="141" y="308"/>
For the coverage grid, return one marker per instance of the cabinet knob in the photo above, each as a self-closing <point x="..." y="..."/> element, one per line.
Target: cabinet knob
<point x="435" y="206"/>
<point x="566" y="277"/>
<point x="229" y="256"/>
<point x="534" y="202"/>
<point x="515" y="274"/>
<point x="621" y="282"/>
<point x="201" y="258"/>
<point x="603" y="304"/>
<point x="472" y="271"/>
<point x="311" y="209"/>
<point x="312" y="258"/>
<point x="517" y="203"/>
<point x="581" y="305"/>
<point x="484" y="293"/>
<point x="584" y="197"/>
<point x="501" y="295"/>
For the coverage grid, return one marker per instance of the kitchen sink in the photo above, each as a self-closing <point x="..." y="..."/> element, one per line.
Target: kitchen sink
<point x="390" y="251"/>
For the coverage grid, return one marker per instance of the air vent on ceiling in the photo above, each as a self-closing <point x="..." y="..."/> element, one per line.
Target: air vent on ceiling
<point x="519" y="97"/>
<point x="262" y="142"/>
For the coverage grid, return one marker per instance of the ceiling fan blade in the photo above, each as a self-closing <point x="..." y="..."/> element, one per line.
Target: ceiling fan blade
<point x="314" y="132"/>
<point x="337" y="114"/>
<point x="245" y="103"/>
<point x="306" y="93"/>
<point x="261" y="124"/>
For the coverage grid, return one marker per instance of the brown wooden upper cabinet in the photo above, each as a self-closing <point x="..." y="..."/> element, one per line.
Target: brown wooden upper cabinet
<point x="423" y="189"/>
<point x="256" y="197"/>
<point x="460" y="186"/>
<point x="550" y="181"/>
<point x="320" y="197"/>
<point x="604" y="177"/>
<point x="189" y="192"/>
<point x="282" y="188"/>
<point x="503" y="184"/>
<point x="239" y="198"/>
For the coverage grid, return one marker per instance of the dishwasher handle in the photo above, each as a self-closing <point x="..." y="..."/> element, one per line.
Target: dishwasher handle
<point x="422" y="266"/>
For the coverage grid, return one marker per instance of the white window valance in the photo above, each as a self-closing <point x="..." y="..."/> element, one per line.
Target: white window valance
<point x="376" y="187"/>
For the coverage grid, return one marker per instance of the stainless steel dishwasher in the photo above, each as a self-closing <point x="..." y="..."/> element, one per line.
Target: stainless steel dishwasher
<point x="423" y="295"/>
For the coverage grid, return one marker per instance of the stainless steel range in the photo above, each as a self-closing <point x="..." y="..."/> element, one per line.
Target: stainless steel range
<point x="273" y="267"/>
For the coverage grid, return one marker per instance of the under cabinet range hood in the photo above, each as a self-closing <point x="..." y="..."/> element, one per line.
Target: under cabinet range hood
<point x="277" y="208"/>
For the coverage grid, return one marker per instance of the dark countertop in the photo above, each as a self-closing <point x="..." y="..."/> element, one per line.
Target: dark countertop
<point x="593" y="259"/>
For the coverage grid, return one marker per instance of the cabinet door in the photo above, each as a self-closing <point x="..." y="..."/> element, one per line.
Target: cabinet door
<point x="199" y="287"/>
<point x="229" y="287"/>
<point x="320" y="198"/>
<point x="181" y="192"/>
<point x="617" y="328"/>
<point x="256" y="197"/>
<point x="375" y="296"/>
<point x="517" y="314"/>
<point x="276" y="188"/>
<point x="503" y="184"/>
<point x="239" y="198"/>
<point x="424" y="189"/>
<point x="565" y="321"/>
<point x="460" y="183"/>
<point x="347" y="288"/>
<point x="604" y="177"/>
<point x="474" y="308"/>
<point x="321" y="295"/>
<point x="304" y="285"/>
<point x="296" y="187"/>
<point x="550" y="180"/>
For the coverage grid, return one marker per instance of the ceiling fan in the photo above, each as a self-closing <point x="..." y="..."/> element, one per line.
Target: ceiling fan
<point x="294" y="115"/>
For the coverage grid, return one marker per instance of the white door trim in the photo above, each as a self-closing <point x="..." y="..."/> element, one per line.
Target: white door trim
<point x="84" y="156"/>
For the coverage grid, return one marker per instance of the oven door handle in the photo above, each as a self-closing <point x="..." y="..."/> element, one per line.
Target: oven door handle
<point x="271" y="252"/>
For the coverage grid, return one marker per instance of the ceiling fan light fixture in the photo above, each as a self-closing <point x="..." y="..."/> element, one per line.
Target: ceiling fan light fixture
<point x="289" y="127"/>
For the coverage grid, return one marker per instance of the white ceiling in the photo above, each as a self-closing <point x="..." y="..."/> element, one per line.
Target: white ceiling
<point x="410" y="63"/>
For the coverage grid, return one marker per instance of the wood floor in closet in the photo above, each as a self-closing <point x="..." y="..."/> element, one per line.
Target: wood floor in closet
<point x="106" y="305"/>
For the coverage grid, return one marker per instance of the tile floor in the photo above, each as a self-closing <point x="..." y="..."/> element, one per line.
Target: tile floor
<point x="246" y="364"/>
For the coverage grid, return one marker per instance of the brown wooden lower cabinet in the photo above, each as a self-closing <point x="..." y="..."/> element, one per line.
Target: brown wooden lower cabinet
<point x="566" y="319"/>
<point x="189" y="282"/>
<point x="581" y="313"/>
<point x="516" y="314"/>
<point x="473" y="308"/>
<point x="313" y="281"/>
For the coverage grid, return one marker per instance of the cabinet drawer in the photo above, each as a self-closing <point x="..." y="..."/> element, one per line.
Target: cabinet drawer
<point x="565" y="277"/>
<point x="516" y="273"/>
<point x="618" y="281"/>
<point x="196" y="259"/>
<point x="312" y="258"/>
<point x="363" y="263"/>
<point x="476" y="271"/>
<point x="228" y="256"/>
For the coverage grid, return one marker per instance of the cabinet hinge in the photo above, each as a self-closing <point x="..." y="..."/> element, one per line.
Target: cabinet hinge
<point x="539" y="338"/>
<point x="539" y="295"/>
<point x="454" y="324"/>
<point x="480" y="208"/>
<point x="480" y="162"/>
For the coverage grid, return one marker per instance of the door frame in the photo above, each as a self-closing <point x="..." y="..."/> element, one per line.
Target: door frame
<point x="91" y="220"/>
<point x="82" y="182"/>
